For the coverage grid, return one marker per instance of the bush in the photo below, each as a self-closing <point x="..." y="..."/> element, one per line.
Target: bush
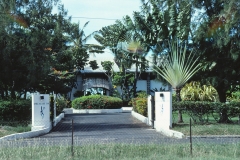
<point x="97" y="102"/>
<point x="141" y="106"/>
<point x="61" y="103"/>
<point x="201" y="110"/>
<point x="139" y="103"/>
<point x="15" y="110"/>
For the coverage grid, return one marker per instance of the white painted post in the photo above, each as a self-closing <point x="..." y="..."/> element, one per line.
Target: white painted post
<point x="163" y="106"/>
<point x="54" y="106"/>
<point x="40" y="112"/>
<point x="149" y="103"/>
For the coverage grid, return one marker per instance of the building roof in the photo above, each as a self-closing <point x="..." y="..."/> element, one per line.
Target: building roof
<point x="108" y="56"/>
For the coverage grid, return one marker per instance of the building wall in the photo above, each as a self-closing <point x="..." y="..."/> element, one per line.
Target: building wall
<point x="141" y="86"/>
<point x="78" y="88"/>
<point x="157" y="84"/>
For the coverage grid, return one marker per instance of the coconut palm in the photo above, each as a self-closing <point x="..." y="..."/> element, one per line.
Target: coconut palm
<point x="178" y="68"/>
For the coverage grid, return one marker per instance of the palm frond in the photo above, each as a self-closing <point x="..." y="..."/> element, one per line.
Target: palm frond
<point x="178" y="68"/>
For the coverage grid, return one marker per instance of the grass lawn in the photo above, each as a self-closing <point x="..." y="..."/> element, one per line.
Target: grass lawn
<point x="7" y="130"/>
<point x="124" y="152"/>
<point x="210" y="128"/>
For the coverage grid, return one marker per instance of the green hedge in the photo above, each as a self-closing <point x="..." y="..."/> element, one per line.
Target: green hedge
<point x="15" y="110"/>
<point x="97" y="102"/>
<point x="200" y="111"/>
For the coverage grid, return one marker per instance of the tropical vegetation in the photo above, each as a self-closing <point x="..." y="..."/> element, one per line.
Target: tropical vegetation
<point x="139" y="103"/>
<point x="194" y="91"/>
<point x="190" y="40"/>
<point x="97" y="102"/>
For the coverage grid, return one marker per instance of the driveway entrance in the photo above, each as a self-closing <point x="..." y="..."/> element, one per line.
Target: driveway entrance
<point x="106" y="128"/>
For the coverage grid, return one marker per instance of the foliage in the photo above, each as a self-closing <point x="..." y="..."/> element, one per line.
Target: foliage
<point x="193" y="91"/>
<point x="235" y="96"/>
<point x="97" y="102"/>
<point x="161" y="20"/>
<point x="200" y="111"/>
<point x="61" y="103"/>
<point x="142" y="94"/>
<point x="125" y="81"/>
<point x="122" y="39"/>
<point x="141" y="106"/>
<point x="178" y="68"/>
<point x="218" y="42"/>
<point x="139" y="103"/>
<point x="108" y="67"/>
<point x="94" y="65"/>
<point x="15" y="110"/>
<point x="36" y="48"/>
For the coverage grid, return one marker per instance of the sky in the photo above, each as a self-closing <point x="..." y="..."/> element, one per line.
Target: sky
<point x="100" y="13"/>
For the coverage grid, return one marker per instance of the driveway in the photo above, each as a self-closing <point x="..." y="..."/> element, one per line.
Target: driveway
<point x="106" y="128"/>
<point x="109" y="128"/>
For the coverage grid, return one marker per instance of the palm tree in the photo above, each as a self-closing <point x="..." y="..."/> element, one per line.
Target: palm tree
<point x="80" y="47"/>
<point x="138" y="58"/>
<point x="178" y="68"/>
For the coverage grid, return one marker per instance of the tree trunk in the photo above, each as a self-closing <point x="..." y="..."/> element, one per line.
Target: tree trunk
<point x="135" y="80"/>
<point x="13" y="94"/>
<point x="180" y="119"/>
<point x="224" y="117"/>
<point x="222" y="98"/>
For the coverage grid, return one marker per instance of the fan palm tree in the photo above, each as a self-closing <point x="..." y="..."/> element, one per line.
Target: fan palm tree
<point x="178" y="68"/>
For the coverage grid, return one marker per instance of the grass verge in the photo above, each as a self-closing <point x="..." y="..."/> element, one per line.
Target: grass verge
<point x="7" y="130"/>
<point x="124" y="152"/>
<point x="210" y="128"/>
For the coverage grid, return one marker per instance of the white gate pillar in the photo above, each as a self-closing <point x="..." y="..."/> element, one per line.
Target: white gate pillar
<point x="163" y="108"/>
<point x="40" y="111"/>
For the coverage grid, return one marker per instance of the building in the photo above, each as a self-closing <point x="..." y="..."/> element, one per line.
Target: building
<point x="96" y="81"/>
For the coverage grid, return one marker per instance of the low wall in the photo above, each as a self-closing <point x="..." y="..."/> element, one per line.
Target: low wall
<point x="140" y="117"/>
<point x="34" y="133"/>
<point x="166" y="132"/>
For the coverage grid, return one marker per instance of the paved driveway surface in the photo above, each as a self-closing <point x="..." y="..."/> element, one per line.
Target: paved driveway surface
<point x="109" y="128"/>
<point x="106" y="128"/>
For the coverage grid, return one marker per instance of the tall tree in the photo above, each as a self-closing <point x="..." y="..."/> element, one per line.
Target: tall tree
<point x="122" y="38"/>
<point x="218" y="40"/>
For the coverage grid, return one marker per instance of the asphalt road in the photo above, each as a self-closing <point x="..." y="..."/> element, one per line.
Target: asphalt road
<point x="81" y="129"/>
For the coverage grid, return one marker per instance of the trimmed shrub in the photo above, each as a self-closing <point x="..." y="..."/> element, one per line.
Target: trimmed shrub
<point x="97" y="102"/>
<point x="139" y="103"/>
<point x="141" y="106"/>
<point x="15" y="110"/>
<point x="200" y="111"/>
